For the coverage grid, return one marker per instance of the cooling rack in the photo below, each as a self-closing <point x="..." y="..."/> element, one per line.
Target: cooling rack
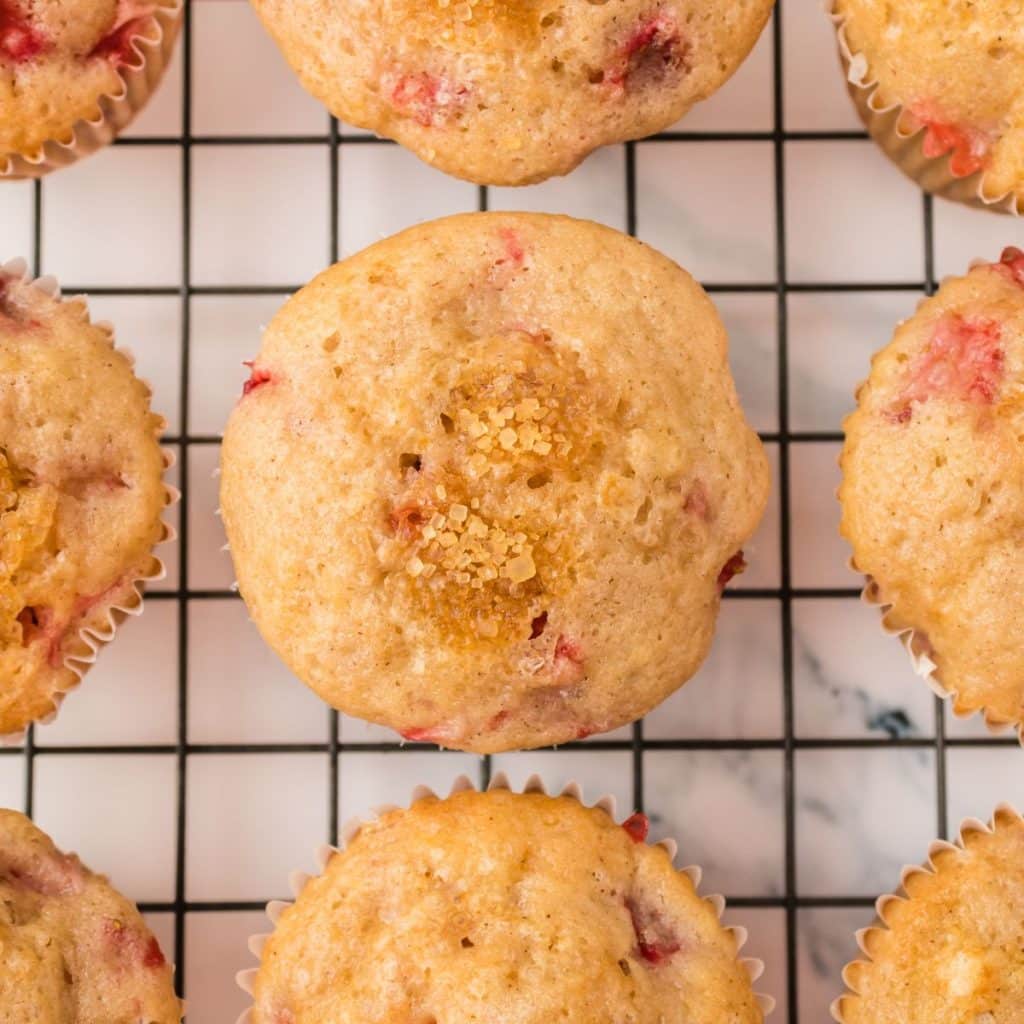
<point x="803" y="765"/>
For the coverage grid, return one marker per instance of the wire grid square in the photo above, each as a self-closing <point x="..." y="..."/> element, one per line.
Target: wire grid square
<point x="803" y="765"/>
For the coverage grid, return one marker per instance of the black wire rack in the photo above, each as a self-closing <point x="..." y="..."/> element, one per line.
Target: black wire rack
<point x="333" y="748"/>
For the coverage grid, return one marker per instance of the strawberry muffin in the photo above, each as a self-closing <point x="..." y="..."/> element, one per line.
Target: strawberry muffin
<point x="507" y="908"/>
<point x="67" y="62"/>
<point x="74" y="950"/>
<point x="81" y="495"/>
<point x="949" y="947"/>
<point x="933" y="486"/>
<point x="510" y="92"/>
<point x="488" y="480"/>
<point x="941" y="87"/>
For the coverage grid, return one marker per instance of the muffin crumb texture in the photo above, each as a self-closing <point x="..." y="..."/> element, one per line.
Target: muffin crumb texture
<point x="513" y="91"/>
<point x="74" y="950"/>
<point x="59" y="58"/>
<point x="955" y="950"/>
<point x="501" y="907"/>
<point x="488" y="478"/>
<point x="957" y="70"/>
<point x="933" y="484"/>
<point x="81" y="494"/>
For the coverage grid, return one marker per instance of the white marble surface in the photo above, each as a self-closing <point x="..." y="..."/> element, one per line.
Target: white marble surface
<point x="260" y="215"/>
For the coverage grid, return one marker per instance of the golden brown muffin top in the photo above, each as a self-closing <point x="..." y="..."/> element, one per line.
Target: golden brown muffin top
<point x="512" y="91"/>
<point x="489" y="478"/>
<point x="509" y="908"/>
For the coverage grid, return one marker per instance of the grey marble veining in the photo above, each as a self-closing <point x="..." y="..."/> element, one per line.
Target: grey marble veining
<point x="851" y="679"/>
<point x="860" y="816"/>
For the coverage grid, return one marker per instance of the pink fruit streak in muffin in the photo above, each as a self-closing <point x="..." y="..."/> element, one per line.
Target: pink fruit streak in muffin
<point x="57" y="875"/>
<point x="697" y="502"/>
<point x="20" y="40"/>
<point x="568" y="659"/>
<point x="127" y="944"/>
<point x="655" y="939"/>
<point x="257" y="378"/>
<point x="964" y="361"/>
<point x="653" y="48"/>
<point x="427" y="98"/>
<point x="41" y="624"/>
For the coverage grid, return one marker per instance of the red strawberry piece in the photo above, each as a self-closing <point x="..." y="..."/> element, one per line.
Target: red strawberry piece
<point x="407" y="520"/>
<point x="567" y="662"/>
<point x="153" y="956"/>
<point x="20" y="40"/>
<point x="257" y="378"/>
<point x="656" y="941"/>
<point x="731" y="569"/>
<point x="969" y="147"/>
<point x="440" y="734"/>
<point x="964" y="361"/>
<point x="637" y="826"/>
<point x="131" y="946"/>
<point x="1011" y="264"/>
<point x="427" y="98"/>
<point x="418" y="735"/>
<point x="652" y="50"/>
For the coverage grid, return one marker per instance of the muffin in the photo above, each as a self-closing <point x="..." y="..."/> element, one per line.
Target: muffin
<point x="74" y="950"/>
<point x="933" y="486"/>
<point x="949" y="947"/>
<point x="81" y="495"/>
<point x="503" y="907"/>
<point x="488" y="480"/>
<point x="510" y="92"/>
<point x="75" y="72"/>
<point x="941" y="87"/>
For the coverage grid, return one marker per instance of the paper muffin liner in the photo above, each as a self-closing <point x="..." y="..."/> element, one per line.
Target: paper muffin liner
<point x="867" y="938"/>
<point x="915" y="641"/>
<point x="887" y="126"/>
<point x="139" y="81"/>
<point x="96" y="638"/>
<point x="298" y="879"/>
